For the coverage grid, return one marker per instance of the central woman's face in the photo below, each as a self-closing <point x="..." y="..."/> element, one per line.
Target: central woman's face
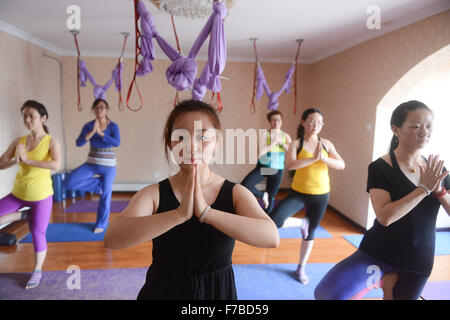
<point x="194" y="139"/>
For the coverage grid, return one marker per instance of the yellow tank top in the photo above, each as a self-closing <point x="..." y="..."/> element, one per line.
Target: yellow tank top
<point x="32" y="183"/>
<point x="313" y="179"/>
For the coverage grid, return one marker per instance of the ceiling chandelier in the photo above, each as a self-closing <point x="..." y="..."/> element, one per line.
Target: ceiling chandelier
<point x="189" y="8"/>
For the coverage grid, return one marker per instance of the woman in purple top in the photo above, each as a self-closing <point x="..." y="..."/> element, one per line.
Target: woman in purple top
<point x="103" y="135"/>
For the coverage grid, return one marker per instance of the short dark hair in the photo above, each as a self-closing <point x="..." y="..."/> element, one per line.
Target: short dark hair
<point x="274" y="113"/>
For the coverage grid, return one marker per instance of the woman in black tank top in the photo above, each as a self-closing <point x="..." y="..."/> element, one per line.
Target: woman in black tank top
<point x="406" y="191"/>
<point x="193" y="217"/>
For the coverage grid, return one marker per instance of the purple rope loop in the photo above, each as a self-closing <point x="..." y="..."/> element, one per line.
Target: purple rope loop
<point x="117" y="76"/>
<point x="99" y="92"/>
<point x="181" y="73"/>
<point x="260" y="82"/>
<point x="148" y="31"/>
<point x="273" y="101"/>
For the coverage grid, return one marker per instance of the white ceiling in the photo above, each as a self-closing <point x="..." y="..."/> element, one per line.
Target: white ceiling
<point x="327" y="26"/>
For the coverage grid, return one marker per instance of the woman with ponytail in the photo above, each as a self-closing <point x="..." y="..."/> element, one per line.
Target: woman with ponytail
<point x="310" y="156"/>
<point x="36" y="154"/>
<point x="103" y="135"/>
<point x="406" y="190"/>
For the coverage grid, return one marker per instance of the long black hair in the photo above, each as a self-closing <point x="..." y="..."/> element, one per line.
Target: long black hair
<point x="39" y="107"/>
<point x="301" y="131"/>
<point x="301" y="128"/>
<point x="399" y="117"/>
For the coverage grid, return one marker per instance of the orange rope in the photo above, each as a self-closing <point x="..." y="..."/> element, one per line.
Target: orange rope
<point x="79" y="106"/>
<point x="252" y="103"/>
<point x="137" y="53"/>
<point x="295" y="77"/>
<point x="121" y="108"/>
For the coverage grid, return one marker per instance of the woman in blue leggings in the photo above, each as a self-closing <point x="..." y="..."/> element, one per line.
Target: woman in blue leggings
<point x="103" y="135"/>
<point x="406" y="191"/>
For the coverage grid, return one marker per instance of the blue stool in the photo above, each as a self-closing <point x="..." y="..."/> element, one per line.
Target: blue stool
<point x="58" y="188"/>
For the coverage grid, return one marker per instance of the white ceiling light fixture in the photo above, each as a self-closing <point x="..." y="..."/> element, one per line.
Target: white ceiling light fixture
<point x="190" y="8"/>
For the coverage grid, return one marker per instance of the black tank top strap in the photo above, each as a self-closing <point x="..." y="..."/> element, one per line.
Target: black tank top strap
<point x="323" y="145"/>
<point x="167" y="199"/>
<point x="394" y="160"/>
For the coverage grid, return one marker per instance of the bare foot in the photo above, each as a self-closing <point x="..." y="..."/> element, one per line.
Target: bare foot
<point x="98" y="230"/>
<point x="388" y="282"/>
<point x="265" y="200"/>
<point x="35" y="279"/>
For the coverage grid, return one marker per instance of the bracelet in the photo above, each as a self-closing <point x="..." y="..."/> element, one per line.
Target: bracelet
<point x="442" y="193"/>
<point x="428" y="191"/>
<point x="205" y="211"/>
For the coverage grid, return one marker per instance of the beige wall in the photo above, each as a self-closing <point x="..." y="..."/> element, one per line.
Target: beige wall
<point x="141" y="155"/>
<point x="25" y="74"/>
<point x="347" y="87"/>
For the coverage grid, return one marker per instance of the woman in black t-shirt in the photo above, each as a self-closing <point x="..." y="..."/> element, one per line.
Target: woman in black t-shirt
<point x="406" y="191"/>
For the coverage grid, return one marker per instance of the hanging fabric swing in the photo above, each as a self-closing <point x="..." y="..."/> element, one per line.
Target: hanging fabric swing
<point x="260" y="83"/>
<point x="83" y="75"/>
<point x="181" y="74"/>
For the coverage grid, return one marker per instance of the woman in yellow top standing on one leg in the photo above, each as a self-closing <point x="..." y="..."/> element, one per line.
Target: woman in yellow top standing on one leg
<point x="310" y="157"/>
<point x="36" y="154"/>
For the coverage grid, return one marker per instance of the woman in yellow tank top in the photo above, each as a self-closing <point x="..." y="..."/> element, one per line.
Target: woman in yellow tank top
<point x="36" y="154"/>
<point x="310" y="157"/>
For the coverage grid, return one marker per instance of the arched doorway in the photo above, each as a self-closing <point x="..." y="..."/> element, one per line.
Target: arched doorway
<point x="429" y="82"/>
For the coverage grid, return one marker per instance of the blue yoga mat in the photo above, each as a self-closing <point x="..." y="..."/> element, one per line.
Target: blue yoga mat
<point x="278" y="281"/>
<point x="69" y="232"/>
<point x="294" y="232"/>
<point x="442" y="242"/>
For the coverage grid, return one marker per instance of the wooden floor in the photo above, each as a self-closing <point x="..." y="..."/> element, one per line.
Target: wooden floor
<point x="93" y="255"/>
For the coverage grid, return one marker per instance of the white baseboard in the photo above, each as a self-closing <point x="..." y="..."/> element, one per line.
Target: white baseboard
<point x="130" y="186"/>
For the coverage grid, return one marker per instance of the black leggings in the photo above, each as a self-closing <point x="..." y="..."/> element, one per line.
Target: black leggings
<point x="272" y="183"/>
<point x="316" y="205"/>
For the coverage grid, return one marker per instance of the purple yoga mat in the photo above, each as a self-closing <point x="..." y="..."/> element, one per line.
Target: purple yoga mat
<point x="103" y="284"/>
<point x="436" y="290"/>
<point x="91" y="206"/>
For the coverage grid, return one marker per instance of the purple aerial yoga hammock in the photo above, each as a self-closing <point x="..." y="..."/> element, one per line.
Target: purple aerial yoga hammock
<point x="99" y="90"/>
<point x="261" y="84"/>
<point x="183" y="70"/>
